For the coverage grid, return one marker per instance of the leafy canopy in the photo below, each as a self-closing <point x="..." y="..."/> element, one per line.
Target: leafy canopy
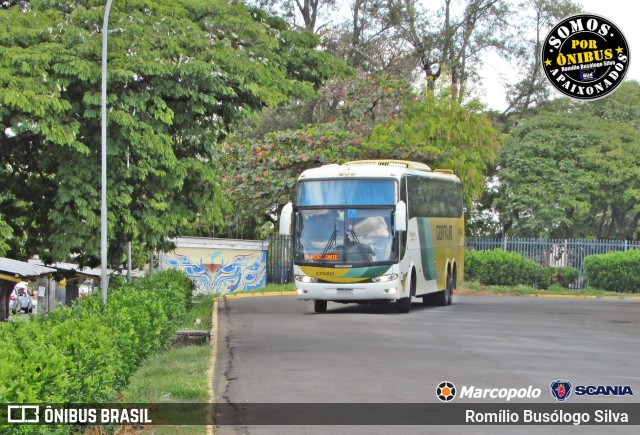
<point x="180" y="74"/>
<point x="379" y="118"/>
<point x="573" y="170"/>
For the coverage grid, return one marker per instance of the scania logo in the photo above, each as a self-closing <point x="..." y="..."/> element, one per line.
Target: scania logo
<point x="604" y="390"/>
<point x="560" y="389"/>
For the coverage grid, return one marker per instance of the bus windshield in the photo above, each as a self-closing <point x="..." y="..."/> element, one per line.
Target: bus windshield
<point x="353" y="236"/>
<point x="346" y="192"/>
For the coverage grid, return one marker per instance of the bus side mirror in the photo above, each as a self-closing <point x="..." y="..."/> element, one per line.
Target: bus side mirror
<point x="400" y="223"/>
<point x="285" y="220"/>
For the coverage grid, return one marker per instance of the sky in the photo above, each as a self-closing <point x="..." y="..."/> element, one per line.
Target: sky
<point x="623" y="13"/>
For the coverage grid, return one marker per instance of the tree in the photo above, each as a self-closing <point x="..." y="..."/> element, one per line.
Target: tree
<point x="181" y="73"/>
<point x="369" y="42"/>
<point x="5" y="234"/>
<point x="531" y="27"/>
<point x="445" y="44"/>
<point x="345" y="114"/>
<point x="568" y="173"/>
<point x="309" y="11"/>
<point x="442" y="133"/>
<point x="622" y="106"/>
<point x="381" y="119"/>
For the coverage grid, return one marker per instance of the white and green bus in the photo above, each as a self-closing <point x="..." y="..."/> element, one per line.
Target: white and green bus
<point x="376" y="231"/>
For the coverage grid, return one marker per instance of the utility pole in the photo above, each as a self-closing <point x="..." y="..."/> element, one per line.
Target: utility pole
<point x="103" y="207"/>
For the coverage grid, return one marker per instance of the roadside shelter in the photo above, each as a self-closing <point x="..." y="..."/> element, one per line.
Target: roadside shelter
<point x="69" y="277"/>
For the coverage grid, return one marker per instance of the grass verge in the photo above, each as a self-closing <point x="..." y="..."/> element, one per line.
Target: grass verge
<point x="269" y="288"/>
<point x="475" y="288"/>
<point x="200" y="309"/>
<point x="174" y="376"/>
<point x="177" y="375"/>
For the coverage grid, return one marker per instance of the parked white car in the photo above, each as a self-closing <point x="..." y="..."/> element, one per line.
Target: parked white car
<point x="20" y="300"/>
<point x="86" y="287"/>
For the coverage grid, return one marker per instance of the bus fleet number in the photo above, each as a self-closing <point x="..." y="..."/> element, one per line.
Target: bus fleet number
<point x="325" y="273"/>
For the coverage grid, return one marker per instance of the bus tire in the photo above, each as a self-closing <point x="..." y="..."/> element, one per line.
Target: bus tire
<point x="403" y="305"/>
<point x="452" y="287"/>
<point x="445" y="297"/>
<point x="320" y="306"/>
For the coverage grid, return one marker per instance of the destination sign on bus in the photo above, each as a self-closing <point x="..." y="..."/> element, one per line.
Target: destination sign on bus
<point x="321" y="257"/>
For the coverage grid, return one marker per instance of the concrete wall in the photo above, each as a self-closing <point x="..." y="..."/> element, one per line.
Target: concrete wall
<point x="219" y="265"/>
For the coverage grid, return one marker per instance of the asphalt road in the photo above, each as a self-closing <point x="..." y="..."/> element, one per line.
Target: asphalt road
<point x="276" y="350"/>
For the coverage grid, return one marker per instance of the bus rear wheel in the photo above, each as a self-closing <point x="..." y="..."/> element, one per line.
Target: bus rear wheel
<point x="320" y="306"/>
<point x="445" y="297"/>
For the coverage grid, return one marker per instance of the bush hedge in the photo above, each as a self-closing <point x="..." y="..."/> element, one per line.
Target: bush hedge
<point x="614" y="271"/>
<point x="564" y="276"/>
<point x="498" y="267"/>
<point x="87" y="352"/>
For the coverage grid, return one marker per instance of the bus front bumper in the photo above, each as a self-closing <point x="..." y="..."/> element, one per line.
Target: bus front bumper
<point x="345" y="292"/>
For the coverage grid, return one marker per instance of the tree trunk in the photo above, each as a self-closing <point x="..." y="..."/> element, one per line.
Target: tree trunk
<point x="5" y="291"/>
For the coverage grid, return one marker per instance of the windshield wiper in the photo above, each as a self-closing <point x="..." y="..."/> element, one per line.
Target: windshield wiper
<point x="328" y="246"/>
<point x="364" y="255"/>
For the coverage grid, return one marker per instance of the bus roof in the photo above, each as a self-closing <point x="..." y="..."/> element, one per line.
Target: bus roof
<point x="376" y="169"/>
<point x="396" y="163"/>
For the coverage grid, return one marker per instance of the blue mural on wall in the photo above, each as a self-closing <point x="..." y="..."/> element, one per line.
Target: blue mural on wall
<point x="222" y="273"/>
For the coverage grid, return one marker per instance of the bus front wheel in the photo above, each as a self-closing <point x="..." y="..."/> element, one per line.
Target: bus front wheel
<point x="320" y="306"/>
<point x="403" y="305"/>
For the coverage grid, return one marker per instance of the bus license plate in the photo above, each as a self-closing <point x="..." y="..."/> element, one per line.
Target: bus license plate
<point x="345" y="291"/>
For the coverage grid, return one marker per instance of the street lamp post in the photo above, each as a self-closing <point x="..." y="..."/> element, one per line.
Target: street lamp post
<point x="103" y="208"/>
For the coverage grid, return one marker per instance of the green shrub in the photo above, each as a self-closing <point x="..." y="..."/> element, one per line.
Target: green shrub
<point x="540" y="277"/>
<point x="614" y="271"/>
<point x="472" y="262"/>
<point x="87" y="352"/>
<point x="564" y="276"/>
<point x="498" y="267"/>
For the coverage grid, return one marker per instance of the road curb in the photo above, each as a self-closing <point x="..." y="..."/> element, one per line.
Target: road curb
<point x="213" y="334"/>
<point x="632" y="298"/>
<point x="585" y="297"/>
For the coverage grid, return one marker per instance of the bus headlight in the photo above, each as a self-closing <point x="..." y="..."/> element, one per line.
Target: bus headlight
<point x="305" y="278"/>
<point x="385" y="278"/>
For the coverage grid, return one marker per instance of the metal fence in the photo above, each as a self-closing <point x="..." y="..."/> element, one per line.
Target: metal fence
<point x="279" y="260"/>
<point x="553" y="252"/>
<point x="545" y="252"/>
